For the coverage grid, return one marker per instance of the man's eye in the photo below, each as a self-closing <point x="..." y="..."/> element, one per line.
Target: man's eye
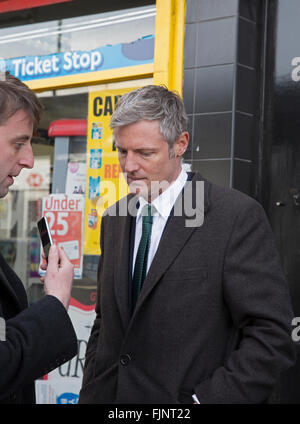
<point x="19" y="145"/>
<point x="146" y="154"/>
<point x="122" y="152"/>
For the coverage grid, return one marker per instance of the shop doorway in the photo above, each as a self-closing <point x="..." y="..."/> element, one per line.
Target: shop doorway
<point x="280" y="164"/>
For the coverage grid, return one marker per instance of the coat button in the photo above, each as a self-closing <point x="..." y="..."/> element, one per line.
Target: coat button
<point x="125" y="359"/>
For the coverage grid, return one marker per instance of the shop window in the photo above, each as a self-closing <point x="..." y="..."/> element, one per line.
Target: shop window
<point x="81" y="33"/>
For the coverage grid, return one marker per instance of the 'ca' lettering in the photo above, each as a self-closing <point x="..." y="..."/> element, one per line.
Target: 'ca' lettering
<point x="108" y="110"/>
<point x="97" y="106"/>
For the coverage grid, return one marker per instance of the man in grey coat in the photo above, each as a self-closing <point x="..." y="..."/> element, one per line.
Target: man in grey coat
<point x="190" y="309"/>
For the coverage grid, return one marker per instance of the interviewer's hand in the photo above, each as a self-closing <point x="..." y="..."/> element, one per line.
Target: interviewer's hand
<point x="59" y="275"/>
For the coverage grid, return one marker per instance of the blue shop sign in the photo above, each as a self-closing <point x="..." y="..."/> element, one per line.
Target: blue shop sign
<point x="123" y="55"/>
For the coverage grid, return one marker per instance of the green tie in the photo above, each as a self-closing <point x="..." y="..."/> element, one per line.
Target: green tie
<point x="140" y="266"/>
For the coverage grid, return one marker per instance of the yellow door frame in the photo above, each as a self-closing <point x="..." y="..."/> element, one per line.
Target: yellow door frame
<point x="169" y="44"/>
<point x="167" y="68"/>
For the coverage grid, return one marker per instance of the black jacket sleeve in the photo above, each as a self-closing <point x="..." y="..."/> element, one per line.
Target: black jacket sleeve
<point x="37" y="340"/>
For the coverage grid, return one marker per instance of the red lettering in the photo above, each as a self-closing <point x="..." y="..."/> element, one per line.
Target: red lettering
<point x="115" y="173"/>
<point x="107" y="171"/>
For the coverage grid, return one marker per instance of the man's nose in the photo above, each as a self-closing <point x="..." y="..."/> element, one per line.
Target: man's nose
<point x="27" y="158"/>
<point x="130" y="164"/>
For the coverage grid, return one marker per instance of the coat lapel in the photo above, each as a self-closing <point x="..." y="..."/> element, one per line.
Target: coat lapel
<point x="174" y="238"/>
<point x="122" y="263"/>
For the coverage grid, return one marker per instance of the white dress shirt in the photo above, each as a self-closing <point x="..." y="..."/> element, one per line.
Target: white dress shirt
<point x="163" y="205"/>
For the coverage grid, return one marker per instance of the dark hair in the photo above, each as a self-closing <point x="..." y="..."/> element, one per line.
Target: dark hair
<point x="152" y="102"/>
<point x="15" y="96"/>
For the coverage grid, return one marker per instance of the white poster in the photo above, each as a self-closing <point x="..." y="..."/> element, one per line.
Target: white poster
<point x="62" y="385"/>
<point x="76" y="178"/>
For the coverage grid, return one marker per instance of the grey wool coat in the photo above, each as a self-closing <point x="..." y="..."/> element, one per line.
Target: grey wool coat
<point x="213" y="317"/>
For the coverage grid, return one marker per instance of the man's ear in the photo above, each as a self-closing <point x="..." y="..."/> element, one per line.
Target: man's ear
<point x="181" y="144"/>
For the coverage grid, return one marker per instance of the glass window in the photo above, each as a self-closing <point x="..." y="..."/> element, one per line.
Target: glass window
<point x="80" y="33"/>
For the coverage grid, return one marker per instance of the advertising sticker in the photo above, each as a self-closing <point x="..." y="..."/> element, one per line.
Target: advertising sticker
<point x="65" y="218"/>
<point x="105" y="183"/>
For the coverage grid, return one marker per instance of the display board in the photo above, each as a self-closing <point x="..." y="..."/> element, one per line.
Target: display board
<point x="65" y="217"/>
<point x="105" y="183"/>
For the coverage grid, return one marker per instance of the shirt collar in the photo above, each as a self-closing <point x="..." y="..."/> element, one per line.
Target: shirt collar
<point x="165" y="202"/>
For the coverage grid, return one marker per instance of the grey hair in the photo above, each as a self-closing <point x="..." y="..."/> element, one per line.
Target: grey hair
<point x="152" y="102"/>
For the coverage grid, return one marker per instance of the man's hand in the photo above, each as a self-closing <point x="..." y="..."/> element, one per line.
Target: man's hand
<point x="59" y="276"/>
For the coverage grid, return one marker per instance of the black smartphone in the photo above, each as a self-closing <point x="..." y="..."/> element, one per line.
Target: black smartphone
<point x="45" y="235"/>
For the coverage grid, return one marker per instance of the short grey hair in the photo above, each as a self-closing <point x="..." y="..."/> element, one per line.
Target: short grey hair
<point x="152" y="102"/>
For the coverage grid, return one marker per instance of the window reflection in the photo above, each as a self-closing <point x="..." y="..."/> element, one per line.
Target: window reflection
<point x="80" y="33"/>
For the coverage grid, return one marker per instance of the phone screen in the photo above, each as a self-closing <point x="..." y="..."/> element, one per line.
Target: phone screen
<point x="45" y="235"/>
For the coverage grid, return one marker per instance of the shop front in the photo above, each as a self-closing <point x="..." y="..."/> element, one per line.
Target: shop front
<point x="79" y="66"/>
